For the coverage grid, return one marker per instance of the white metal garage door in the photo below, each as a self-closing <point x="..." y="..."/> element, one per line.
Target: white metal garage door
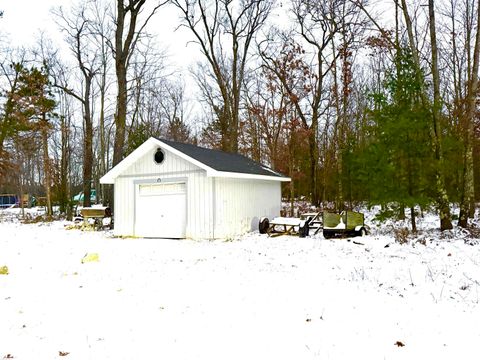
<point x="161" y="210"/>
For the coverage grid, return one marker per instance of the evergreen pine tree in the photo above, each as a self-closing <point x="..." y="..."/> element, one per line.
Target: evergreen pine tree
<point x="395" y="167"/>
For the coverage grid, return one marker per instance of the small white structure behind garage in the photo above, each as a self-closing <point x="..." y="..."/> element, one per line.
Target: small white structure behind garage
<point x="166" y="189"/>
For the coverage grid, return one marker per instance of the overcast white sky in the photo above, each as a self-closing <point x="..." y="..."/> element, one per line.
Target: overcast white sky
<point x="24" y="19"/>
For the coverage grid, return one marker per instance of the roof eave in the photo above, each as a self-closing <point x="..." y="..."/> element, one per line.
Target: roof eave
<point x="109" y="177"/>
<point x="183" y="155"/>
<point x="226" y="174"/>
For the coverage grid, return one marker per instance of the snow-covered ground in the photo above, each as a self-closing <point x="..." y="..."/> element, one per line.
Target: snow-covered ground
<point x="252" y="298"/>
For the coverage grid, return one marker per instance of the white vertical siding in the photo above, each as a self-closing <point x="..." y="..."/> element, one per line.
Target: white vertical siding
<point x="146" y="165"/>
<point x="216" y="207"/>
<point x="199" y="207"/>
<point x="199" y="193"/>
<point x="123" y="207"/>
<point x="241" y="203"/>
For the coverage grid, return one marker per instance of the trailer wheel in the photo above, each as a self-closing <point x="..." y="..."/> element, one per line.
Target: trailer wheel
<point x="263" y="225"/>
<point x="303" y="231"/>
<point x="361" y="232"/>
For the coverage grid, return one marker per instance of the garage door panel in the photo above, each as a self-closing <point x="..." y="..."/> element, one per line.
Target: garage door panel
<point x="161" y="189"/>
<point x="160" y="210"/>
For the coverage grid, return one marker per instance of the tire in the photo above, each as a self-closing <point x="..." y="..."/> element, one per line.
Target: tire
<point x="303" y="231"/>
<point x="263" y="225"/>
<point x="361" y="232"/>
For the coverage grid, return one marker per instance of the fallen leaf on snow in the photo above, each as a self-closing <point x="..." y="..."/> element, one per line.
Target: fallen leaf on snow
<point x="71" y="227"/>
<point x="92" y="257"/>
<point x="4" y="270"/>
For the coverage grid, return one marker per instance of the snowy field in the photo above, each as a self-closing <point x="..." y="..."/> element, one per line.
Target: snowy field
<point x="251" y="298"/>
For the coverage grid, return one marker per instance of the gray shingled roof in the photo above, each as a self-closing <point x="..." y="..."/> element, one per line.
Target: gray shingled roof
<point x="223" y="161"/>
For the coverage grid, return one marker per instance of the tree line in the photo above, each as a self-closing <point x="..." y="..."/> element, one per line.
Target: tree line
<point x="358" y="102"/>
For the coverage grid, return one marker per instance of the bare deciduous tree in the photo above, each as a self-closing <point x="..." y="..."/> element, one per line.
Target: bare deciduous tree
<point x="79" y="36"/>
<point x="225" y="30"/>
<point x="127" y="33"/>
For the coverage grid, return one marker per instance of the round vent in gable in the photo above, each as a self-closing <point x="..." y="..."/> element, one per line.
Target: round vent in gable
<point x="159" y="156"/>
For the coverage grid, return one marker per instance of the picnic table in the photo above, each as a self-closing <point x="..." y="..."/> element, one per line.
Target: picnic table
<point x="100" y="216"/>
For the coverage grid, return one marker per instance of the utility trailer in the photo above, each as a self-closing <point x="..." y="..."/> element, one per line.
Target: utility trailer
<point x="347" y="223"/>
<point x="284" y="226"/>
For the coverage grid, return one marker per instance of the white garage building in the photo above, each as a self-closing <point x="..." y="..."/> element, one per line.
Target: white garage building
<point x="166" y="189"/>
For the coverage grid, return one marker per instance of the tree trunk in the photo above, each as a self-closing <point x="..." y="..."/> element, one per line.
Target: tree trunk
<point x="125" y="44"/>
<point x="292" y="191"/>
<point x="401" y="212"/>
<point x="468" y="191"/>
<point x="88" y="151"/>
<point x="121" y="115"/>
<point x="442" y="197"/>
<point x="46" y="166"/>
<point x="121" y="53"/>
<point x="20" y="187"/>
<point x="338" y="135"/>
<point x="313" y="150"/>
<point x="103" y="165"/>
<point x="468" y="187"/>
<point x="64" y="168"/>
<point x="412" y="217"/>
<point x="234" y="132"/>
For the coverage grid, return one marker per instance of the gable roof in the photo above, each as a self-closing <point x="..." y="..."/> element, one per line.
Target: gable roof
<point x="216" y="163"/>
<point x="222" y="161"/>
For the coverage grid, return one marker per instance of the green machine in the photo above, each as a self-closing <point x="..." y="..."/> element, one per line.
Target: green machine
<point x="347" y="223"/>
